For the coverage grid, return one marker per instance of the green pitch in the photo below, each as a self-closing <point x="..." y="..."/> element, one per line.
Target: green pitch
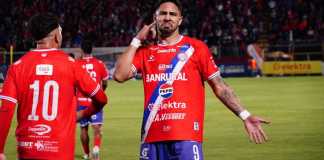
<point x="295" y="105"/>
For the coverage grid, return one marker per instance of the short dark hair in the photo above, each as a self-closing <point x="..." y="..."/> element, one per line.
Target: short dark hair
<point x="86" y="46"/>
<point x="40" y="25"/>
<point x="176" y="2"/>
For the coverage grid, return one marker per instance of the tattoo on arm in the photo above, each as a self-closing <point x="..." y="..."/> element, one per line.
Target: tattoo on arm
<point x="226" y="95"/>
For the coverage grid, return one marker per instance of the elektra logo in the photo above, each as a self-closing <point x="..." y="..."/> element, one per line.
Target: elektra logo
<point x="166" y="90"/>
<point x="40" y="129"/>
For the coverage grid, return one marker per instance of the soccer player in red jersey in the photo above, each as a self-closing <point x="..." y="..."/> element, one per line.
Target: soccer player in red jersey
<point x="43" y="84"/>
<point x="99" y="73"/>
<point x="174" y="71"/>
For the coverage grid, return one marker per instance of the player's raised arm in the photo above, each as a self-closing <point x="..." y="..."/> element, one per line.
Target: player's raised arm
<point x="231" y="101"/>
<point x="123" y="70"/>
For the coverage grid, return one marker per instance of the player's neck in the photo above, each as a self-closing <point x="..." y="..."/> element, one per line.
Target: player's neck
<point x="170" y="40"/>
<point x="46" y="45"/>
<point x="86" y="55"/>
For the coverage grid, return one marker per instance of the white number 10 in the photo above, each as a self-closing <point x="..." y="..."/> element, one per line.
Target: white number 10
<point x="55" y="91"/>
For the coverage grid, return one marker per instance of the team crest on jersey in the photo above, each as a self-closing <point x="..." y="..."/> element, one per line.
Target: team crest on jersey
<point x="166" y="90"/>
<point x="182" y="56"/>
<point x="44" y="69"/>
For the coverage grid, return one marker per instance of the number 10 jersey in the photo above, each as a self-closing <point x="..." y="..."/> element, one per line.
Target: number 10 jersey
<point x="43" y="84"/>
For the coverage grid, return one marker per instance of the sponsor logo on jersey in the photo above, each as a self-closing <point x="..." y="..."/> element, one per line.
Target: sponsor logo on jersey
<point x="166" y="77"/>
<point x="40" y="129"/>
<point x="163" y="67"/>
<point x="169" y="116"/>
<point x="25" y="144"/>
<point x="39" y="146"/>
<point x="151" y="58"/>
<point x="89" y="66"/>
<point x="166" y="128"/>
<point x="44" y="69"/>
<point x="196" y="126"/>
<point x="169" y="105"/>
<point x="166" y="90"/>
<point x="171" y="50"/>
<point x="46" y="146"/>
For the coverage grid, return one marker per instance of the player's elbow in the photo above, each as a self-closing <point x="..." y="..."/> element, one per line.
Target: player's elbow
<point x="103" y="101"/>
<point x="120" y="78"/>
<point x="100" y="100"/>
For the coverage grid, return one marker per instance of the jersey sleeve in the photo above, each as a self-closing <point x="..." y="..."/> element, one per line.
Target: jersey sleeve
<point x="86" y="85"/>
<point x="138" y="61"/>
<point x="207" y="66"/>
<point x="104" y="71"/>
<point x="8" y="102"/>
<point x="84" y="82"/>
<point x="9" y="91"/>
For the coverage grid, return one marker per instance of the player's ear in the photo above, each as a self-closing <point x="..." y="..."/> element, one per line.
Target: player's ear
<point x="180" y="21"/>
<point x="56" y="36"/>
<point x="154" y="17"/>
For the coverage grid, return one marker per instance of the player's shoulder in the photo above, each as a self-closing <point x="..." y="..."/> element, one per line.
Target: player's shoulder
<point x="99" y="61"/>
<point x="194" y="41"/>
<point x="95" y="59"/>
<point x="148" y="48"/>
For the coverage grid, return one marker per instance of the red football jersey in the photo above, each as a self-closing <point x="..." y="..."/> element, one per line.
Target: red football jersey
<point x="43" y="84"/>
<point x="97" y="71"/>
<point x="173" y="77"/>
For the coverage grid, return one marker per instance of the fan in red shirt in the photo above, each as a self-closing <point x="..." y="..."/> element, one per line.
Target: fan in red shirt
<point x="98" y="72"/>
<point x="43" y="83"/>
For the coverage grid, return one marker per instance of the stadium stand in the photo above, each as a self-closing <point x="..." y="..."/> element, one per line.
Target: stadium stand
<point x="113" y="23"/>
<point x="227" y="26"/>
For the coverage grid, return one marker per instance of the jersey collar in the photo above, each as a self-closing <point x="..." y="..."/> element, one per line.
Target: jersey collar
<point x="164" y="44"/>
<point x="45" y="50"/>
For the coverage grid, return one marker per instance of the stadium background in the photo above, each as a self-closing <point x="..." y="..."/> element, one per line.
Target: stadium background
<point x="290" y="33"/>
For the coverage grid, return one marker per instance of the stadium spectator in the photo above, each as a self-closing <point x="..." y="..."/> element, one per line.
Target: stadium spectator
<point x="98" y="72"/>
<point x="113" y="23"/>
<point x="42" y="83"/>
<point x="174" y="69"/>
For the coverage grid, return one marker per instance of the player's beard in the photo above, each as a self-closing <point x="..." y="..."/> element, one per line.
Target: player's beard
<point x="166" y="31"/>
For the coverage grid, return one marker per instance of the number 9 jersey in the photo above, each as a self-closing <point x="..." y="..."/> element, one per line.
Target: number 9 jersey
<point x="43" y="83"/>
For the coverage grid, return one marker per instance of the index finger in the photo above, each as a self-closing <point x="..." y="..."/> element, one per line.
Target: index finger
<point x="152" y="24"/>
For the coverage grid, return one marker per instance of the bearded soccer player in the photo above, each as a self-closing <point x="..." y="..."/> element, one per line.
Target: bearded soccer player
<point x="98" y="72"/>
<point x="174" y="71"/>
<point x="42" y="83"/>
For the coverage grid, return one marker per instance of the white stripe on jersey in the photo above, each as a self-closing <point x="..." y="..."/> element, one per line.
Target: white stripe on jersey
<point x="95" y="91"/>
<point x="13" y="100"/>
<point x="84" y="99"/>
<point x="216" y="74"/>
<point x="134" y="70"/>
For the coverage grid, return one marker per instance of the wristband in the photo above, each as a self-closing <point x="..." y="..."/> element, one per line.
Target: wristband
<point x="135" y="42"/>
<point x="244" y="115"/>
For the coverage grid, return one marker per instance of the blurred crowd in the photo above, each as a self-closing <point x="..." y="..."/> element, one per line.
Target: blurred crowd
<point x="217" y="22"/>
